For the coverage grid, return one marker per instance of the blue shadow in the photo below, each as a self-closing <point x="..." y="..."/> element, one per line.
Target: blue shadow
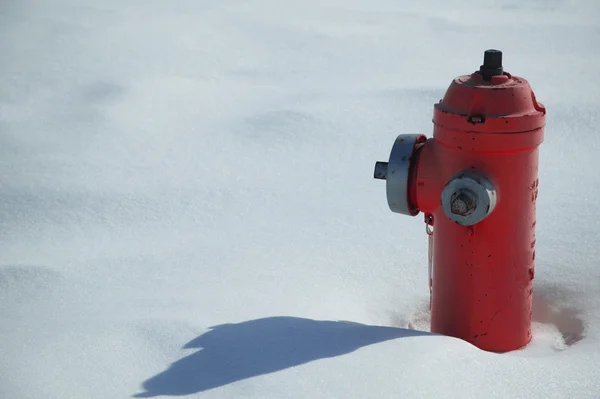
<point x="233" y="352"/>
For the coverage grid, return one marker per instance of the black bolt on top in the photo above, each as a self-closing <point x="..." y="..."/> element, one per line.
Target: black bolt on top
<point x="492" y="64"/>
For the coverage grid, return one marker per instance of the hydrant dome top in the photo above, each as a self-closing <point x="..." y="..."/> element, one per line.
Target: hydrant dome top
<point x="490" y="100"/>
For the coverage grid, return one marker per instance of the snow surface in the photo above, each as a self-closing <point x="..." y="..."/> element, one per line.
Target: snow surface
<point x="187" y="204"/>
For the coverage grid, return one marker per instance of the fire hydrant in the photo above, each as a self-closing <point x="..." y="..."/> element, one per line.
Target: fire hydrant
<point x="476" y="183"/>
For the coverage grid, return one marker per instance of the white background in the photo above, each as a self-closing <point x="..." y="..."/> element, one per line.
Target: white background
<point x="187" y="202"/>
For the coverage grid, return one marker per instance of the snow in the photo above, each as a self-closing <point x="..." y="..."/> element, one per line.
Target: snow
<point x="187" y="204"/>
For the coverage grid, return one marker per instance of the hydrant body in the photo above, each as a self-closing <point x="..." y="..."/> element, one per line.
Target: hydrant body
<point x="476" y="182"/>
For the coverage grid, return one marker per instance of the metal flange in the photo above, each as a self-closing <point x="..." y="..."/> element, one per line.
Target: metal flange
<point x="396" y="172"/>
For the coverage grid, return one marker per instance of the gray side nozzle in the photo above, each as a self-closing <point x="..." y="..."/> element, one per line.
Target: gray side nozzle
<point x="396" y="172"/>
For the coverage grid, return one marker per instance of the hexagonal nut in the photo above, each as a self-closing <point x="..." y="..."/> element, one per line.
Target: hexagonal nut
<point x="463" y="202"/>
<point x="468" y="198"/>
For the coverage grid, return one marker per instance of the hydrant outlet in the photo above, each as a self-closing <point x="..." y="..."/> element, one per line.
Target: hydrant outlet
<point x="468" y="198"/>
<point x="397" y="173"/>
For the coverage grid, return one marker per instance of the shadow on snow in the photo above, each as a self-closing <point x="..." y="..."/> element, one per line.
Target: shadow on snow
<point x="234" y="352"/>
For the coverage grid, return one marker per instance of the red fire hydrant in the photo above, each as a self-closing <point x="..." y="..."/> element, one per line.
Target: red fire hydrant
<point x="476" y="182"/>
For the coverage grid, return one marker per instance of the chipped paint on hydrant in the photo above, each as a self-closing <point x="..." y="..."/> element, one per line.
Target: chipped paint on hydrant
<point x="476" y="182"/>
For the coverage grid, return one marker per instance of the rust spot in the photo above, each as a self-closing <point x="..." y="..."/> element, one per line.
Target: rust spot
<point x="531" y="274"/>
<point x="459" y="147"/>
<point x="490" y="255"/>
<point x="401" y="140"/>
<point x="533" y="225"/>
<point x="532" y="244"/>
<point x="533" y="257"/>
<point x="421" y="184"/>
<point x="404" y="158"/>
